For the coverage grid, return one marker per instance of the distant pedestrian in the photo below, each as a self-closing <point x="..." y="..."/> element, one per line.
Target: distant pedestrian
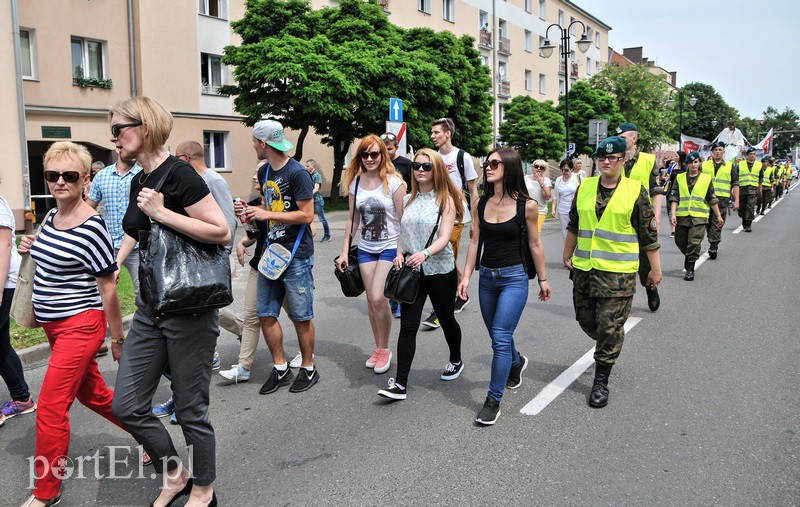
<point x="319" y="203"/>
<point x="540" y="189"/>
<point x="577" y="169"/>
<point x="401" y="164"/>
<point x="376" y="201"/>
<point x="766" y="185"/>
<point x="726" y="184"/>
<point x="565" y="188"/>
<point x="505" y="239"/>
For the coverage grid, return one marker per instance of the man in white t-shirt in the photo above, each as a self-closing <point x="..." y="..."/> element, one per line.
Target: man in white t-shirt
<point x="462" y="170"/>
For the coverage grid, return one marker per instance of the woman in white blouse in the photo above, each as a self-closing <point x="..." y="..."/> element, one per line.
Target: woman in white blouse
<point x="540" y="188"/>
<point x="565" y="188"/>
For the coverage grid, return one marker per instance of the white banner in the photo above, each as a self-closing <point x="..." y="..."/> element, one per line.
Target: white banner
<point x="690" y="144"/>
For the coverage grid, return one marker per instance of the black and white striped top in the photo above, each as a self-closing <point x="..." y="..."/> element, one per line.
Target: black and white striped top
<point x="67" y="265"/>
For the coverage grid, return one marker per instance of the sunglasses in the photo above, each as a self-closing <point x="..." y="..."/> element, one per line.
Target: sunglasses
<point x="610" y="158"/>
<point x="370" y="154"/>
<point x="422" y="166"/>
<point x="388" y="137"/>
<point x="565" y="170"/>
<point x="535" y="166"/>
<point x="492" y="163"/>
<point x="116" y="130"/>
<point x="69" y="176"/>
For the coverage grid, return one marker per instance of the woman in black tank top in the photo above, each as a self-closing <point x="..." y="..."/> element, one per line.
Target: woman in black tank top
<point x="506" y="248"/>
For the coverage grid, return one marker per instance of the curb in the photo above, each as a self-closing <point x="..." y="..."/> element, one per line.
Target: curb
<point x="34" y="356"/>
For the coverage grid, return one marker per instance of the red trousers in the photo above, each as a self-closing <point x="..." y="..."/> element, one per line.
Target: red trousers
<point x="71" y="373"/>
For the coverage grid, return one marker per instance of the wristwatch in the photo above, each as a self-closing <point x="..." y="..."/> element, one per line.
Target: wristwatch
<point x="118" y="341"/>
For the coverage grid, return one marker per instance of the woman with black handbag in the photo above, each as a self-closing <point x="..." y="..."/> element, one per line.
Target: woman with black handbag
<point x="507" y="250"/>
<point x="431" y="207"/>
<point x="184" y="205"/>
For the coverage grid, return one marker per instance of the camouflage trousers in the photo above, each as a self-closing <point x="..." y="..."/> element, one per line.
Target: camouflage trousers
<point x="747" y="208"/>
<point x="689" y="239"/>
<point x="714" y="232"/>
<point x="764" y="200"/>
<point x="603" y="320"/>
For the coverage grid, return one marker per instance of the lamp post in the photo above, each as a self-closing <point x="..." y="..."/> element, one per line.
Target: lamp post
<point x="671" y="102"/>
<point x="546" y="50"/>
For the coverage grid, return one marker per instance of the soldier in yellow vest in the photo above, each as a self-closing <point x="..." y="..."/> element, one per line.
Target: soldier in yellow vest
<point x="750" y="173"/>
<point x="611" y="221"/>
<point x="779" y="180"/>
<point x="642" y="167"/>
<point x="690" y="202"/>
<point x="725" y="178"/>
<point x="766" y="185"/>
<point x="789" y="175"/>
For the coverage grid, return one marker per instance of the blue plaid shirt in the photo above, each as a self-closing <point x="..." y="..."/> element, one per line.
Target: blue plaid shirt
<point x="114" y="192"/>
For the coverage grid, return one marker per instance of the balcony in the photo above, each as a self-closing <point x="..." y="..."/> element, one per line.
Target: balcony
<point x="485" y="38"/>
<point x="561" y="67"/>
<point x="504" y="88"/>
<point x="210" y="89"/>
<point x="573" y="73"/>
<point x="385" y="5"/>
<point x="504" y="46"/>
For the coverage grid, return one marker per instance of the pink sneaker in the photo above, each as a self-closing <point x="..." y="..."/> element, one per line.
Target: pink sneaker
<point x="384" y="360"/>
<point x="13" y="408"/>
<point x="372" y="359"/>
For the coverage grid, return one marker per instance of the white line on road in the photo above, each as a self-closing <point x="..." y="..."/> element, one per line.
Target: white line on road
<point x="738" y="230"/>
<point x="563" y="381"/>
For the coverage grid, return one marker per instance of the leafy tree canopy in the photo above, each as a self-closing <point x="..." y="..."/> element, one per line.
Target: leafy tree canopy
<point x="534" y="128"/>
<point x="587" y="103"/>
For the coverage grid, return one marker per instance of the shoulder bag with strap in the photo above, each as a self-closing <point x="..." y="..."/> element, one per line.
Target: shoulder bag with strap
<point x="350" y="279"/>
<point x="22" y="302"/>
<point x="276" y="258"/>
<point x="462" y="171"/>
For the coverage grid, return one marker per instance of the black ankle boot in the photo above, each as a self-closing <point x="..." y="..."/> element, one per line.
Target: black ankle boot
<point x="689" y="267"/>
<point x="712" y="251"/>
<point x="599" y="395"/>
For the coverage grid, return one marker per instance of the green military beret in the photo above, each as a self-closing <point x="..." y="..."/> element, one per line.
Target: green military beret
<point x="717" y="144"/>
<point x="692" y="156"/>
<point x="625" y="127"/>
<point x="609" y="145"/>
<point x="750" y="150"/>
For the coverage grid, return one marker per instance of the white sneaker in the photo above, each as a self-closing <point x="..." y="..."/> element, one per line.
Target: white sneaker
<point x="237" y="373"/>
<point x="298" y="360"/>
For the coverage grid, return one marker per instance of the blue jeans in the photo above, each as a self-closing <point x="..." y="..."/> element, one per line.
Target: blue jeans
<point x="296" y="286"/>
<point x="319" y="209"/>
<point x="502" y="293"/>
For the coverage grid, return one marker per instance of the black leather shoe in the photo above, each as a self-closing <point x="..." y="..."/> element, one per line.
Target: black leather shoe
<point x="599" y="395"/>
<point x="689" y="267"/>
<point x="653" y="299"/>
<point x="748" y="229"/>
<point x="712" y="251"/>
<point x="185" y="491"/>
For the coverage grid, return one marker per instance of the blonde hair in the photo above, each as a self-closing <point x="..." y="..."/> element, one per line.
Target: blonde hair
<point x="156" y="121"/>
<point x="356" y="167"/>
<point x="443" y="186"/>
<point x="68" y="150"/>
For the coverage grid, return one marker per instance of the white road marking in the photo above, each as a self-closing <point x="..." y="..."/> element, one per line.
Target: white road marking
<point x="563" y="381"/>
<point x="701" y="260"/>
<point x="738" y="230"/>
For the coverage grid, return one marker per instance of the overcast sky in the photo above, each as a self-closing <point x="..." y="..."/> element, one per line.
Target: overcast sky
<point x="749" y="51"/>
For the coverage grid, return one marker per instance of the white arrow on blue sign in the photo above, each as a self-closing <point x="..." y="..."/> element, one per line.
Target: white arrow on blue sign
<point x="395" y="109"/>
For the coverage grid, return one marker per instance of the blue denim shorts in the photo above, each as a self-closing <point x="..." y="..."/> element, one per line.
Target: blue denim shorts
<point x="387" y="255"/>
<point x="296" y="286"/>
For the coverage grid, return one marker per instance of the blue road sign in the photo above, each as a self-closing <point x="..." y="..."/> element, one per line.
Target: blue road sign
<point x="395" y="109"/>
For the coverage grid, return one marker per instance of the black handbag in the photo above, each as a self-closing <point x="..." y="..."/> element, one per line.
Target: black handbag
<point x="350" y="278"/>
<point x="402" y="285"/>
<point x="181" y="276"/>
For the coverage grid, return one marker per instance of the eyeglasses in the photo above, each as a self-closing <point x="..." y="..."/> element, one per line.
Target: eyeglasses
<point x="388" y="137"/>
<point x="565" y="169"/>
<point x="610" y="158"/>
<point x="492" y="163"/>
<point x="370" y="154"/>
<point x="422" y="166"/>
<point x="69" y="176"/>
<point x="116" y="130"/>
<point x="181" y="155"/>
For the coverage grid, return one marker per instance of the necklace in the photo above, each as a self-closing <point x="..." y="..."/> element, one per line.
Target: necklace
<point x="141" y="181"/>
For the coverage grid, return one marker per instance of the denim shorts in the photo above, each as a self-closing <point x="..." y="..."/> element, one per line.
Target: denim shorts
<point x="296" y="286"/>
<point x="387" y="255"/>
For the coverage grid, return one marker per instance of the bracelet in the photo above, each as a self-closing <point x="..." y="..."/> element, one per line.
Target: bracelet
<point x="542" y="280"/>
<point x="426" y="253"/>
<point x="567" y="259"/>
<point x="118" y="341"/>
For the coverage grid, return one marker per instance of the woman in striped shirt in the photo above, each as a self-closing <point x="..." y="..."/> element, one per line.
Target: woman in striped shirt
<point x="74" y="291"/>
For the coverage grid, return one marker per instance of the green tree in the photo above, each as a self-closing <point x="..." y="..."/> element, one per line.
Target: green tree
<point x="534" y="128"/>
<point x="642" y="99"/>
<point x="787" y="120"/>
<point x="698" y="120"/>
<point x="587" y="103"/>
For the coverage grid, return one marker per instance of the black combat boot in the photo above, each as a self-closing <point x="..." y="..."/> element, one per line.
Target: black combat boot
<point x="689" y="267"/>
<point x="653" y="299"/>
<point x="599" y="395"/>
<point x="712" y="251"/>
<point x="747" y="227"/>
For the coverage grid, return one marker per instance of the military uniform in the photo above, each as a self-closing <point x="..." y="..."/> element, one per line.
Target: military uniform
<point x="767" y="179"/>
<point x="649" y="180"/>
<point x="749" y="176"/>
<point x="689" y="229"/>
<point x="722" y="187"/>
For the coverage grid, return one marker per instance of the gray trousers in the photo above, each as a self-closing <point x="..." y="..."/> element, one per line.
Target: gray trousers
<point x="132" y="265"/>
<point x="186" y="343"/>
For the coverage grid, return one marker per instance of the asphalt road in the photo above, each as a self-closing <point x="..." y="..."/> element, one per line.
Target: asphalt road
<point x="703" y="410"/>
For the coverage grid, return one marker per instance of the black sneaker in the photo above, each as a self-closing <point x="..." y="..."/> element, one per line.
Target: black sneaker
<point x="393" y="391"/>
<point x="515" y="375"/>
<point x="276" y="379"/>
<point x="452" y="371"/>
<point x="489" y="413"/>
<point x="432" y="321"/>
<point x="305" y="379"/>
<point x="460" y="304"/>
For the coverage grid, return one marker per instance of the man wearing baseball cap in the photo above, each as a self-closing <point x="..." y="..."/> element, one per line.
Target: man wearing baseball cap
<point x="725" y="178"/>
<point x="642" y="167"/>
<point x="610" y="223"/>
<point x="289" y="198"/>
<point x="750" y="174"/>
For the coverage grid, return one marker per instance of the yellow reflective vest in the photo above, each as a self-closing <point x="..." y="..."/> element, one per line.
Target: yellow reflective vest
<point x="611" y="243"/>
<point x="747" y="177"/>
<point x="767" y="174"/>
<point x="721" y="180"/>
<point x="693" y="204"/>
<point x="642" y="169"/>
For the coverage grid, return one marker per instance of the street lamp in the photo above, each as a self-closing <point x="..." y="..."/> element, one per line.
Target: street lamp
<point x="671" y="102"/>
<point x="546" y="50"/>
<point x="714" y="122"/>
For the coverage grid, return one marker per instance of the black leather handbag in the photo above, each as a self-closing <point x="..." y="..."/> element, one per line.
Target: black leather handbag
<point x="181" y="276"/>
<point x="402" y="285"/>
<point x="350" y="278"/>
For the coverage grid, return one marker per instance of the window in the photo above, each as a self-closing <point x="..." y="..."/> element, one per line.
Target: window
<point x="562" y="86"/>
<point x="212" y="73"/>
<point x="561" y="17"/>
<point x="502" y="71"/>
<point x="528" y="80"/>
<point x="597" y="66"/>
<point x="541" y="43"/>
<point x="449" y="10"/>
<point x="542" y="84"/>
<point x="424" y="6"/>
<point x="588" y="66"/>
<point x="215" y="145"/>
<point x="88" y="59"/>
<point x="572" y="27"/>
<point x="485" y="60"/>
<point x="502" y="112"/>
<point x="483" y="20"/>
<point x="27" y="40"/>
<point x="502" y="27"/>
<point x="542" y="9"/>
<point x="528" y="5"/>
<point x="597" y="39"/>
<point x="528" y="41"/>
<point x="213" y="8"/>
